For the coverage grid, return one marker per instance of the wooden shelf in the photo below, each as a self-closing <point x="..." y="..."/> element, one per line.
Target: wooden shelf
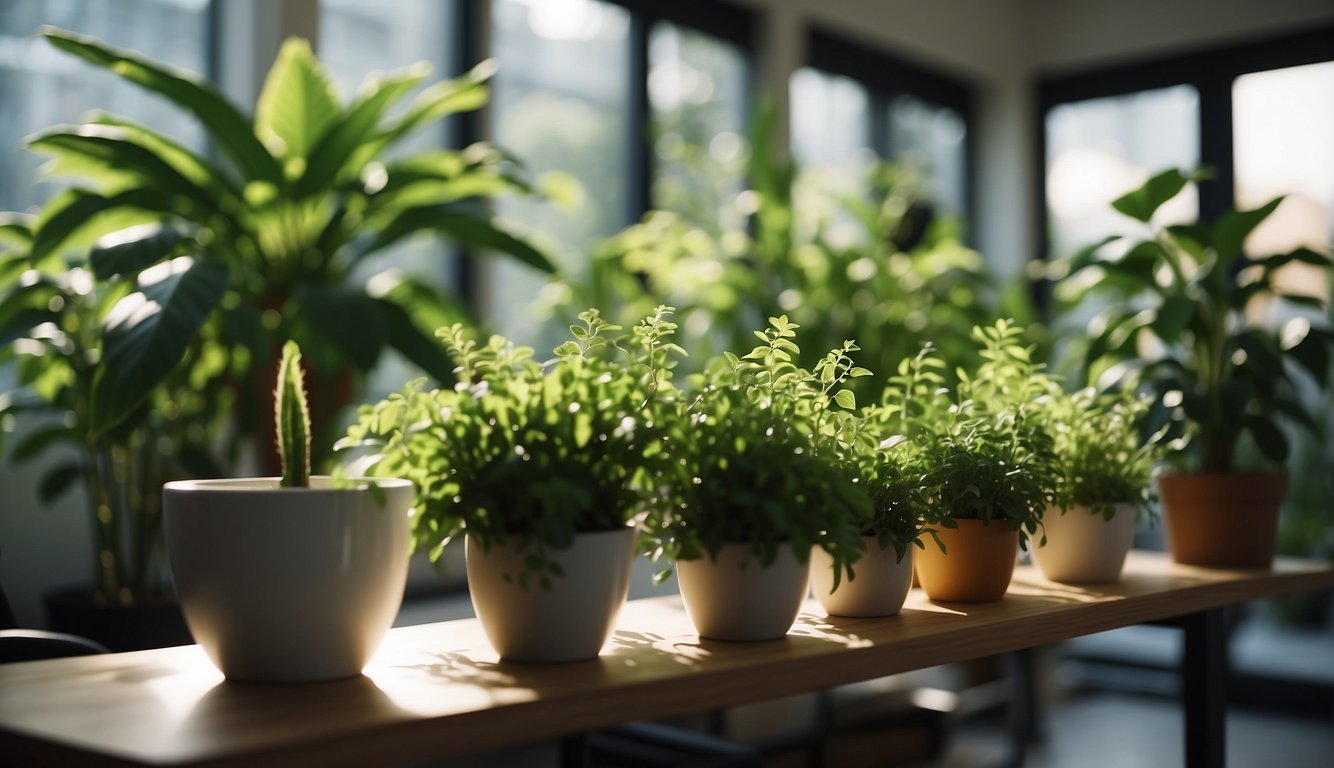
<point x="438" y="690"/>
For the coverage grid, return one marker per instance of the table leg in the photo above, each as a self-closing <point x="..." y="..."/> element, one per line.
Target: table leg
<point x="1204" y="688"/>
<point x="574" y="751"/>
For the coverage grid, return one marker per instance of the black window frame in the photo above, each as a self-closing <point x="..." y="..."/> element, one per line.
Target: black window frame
<point x="886" y="75"/>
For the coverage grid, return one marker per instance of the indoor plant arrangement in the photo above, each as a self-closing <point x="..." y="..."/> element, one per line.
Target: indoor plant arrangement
<point x="289" y="579"/>
<point x="543" y="466"/>
<point x="977" y="458"/>
<point x="749" y="492"/>
<point x="1220" y="381"/>
<point x="282" y="221"/>
<point x="1107" y="465"/>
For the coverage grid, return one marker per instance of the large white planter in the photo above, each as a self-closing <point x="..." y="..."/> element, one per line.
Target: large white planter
<point x="1084" y="548"/>
<point x="570" y="621"/>
<point x="287" y="584"/>
<point x="733" y="597"/>
<point x="880" y="585"/>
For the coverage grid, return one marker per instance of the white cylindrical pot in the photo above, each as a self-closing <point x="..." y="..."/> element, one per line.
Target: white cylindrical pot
<point x="1083" y="547"/>
<point x="569" y="621"/>
<point x="734" y="597"/>
<point x="288" y="584"/>
<point x="879" y="587"/>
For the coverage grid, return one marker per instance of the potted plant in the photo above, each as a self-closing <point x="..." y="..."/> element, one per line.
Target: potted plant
<point x="983" y="464"/>
<point x="53" y="319"/>
<point x="1107" y="465"/>
<point x="544" y="468"/>
<point x="289" y="579"/>
<point x="1179" y="315"/>
<point x="750" y="493"/>
<point x="282" y="220"/>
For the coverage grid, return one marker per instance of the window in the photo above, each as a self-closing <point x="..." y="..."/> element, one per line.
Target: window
<point x="41" y="86"/>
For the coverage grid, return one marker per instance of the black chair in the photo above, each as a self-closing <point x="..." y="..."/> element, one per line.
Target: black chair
<point x="34" y="644"/>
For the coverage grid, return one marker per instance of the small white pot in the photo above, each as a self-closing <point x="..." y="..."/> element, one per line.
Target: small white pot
<point x="287" y="584"/>
<point x="733" y="597"/>
<point x="572" y="620"/>
<point x="1085" y="548"/>
<point x="880" y="585"/>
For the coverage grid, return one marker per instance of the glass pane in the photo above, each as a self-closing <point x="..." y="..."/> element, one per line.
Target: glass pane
<point x="40" y="86"/>
<point x="831" y="143"/>
<point x="561" y="103"/>
<point x="931" y="139"/>
<point x="697" y="89"/>
<point x="1099" y="149"/>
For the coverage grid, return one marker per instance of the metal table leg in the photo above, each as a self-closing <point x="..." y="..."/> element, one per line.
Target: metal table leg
<point x="1204" y="688"/>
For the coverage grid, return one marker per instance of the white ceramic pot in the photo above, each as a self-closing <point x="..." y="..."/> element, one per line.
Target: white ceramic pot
<point x="880" y="585"/>
<point x="287" y="584"/>
<point x="1084" y="548"/>
<point x="570" y="621"/>
<point x="733" y="597"/>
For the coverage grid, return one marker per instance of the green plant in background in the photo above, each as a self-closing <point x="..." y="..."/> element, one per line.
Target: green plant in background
<point x="980" y="451"/>
<point x="901" y="279"/>
<point x="757" y="458"/>
<point x="530" y="452"/>
<point x="295" y="202"/>
<point x="1180" y="296"/>
<point x="291" y="412"/>
<point x="54" y="316"/>
<point x="1105" y="456"/>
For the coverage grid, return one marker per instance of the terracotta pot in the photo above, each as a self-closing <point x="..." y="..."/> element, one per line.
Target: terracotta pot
<point x="572" y="620"/>
<point x="880" y="585"/>
<point x="733" y="597"/>
<point x="1222" y="520"/>
<point x="976" y="566"/>
<point x="288" y="584"/>
<point x="1083" y="547"/>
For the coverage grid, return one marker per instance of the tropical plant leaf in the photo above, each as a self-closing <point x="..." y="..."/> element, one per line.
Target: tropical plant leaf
<point x="198" y="169"/>
<point x="1268" y="437"/>
<point x="146" y="334"/>
<point x="465" y="229"/>
<point x="298" y="102"/>
<point x="1233" y="227"/>
<point x="227" y="127"/>
<point x="1173" y="317"/>
<point x="462" y="94"/>
<point x="132" y="250"/>
<point x="347" y="317"/>
<point x="76" y="218"/>
<point x="1142" y="203"/>
<point x="59" y="481"/>
<point x="419" y="347"/>
<point x="16" y="230"/>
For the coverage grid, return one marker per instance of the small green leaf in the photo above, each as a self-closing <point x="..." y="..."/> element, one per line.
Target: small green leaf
<point x="846" y="399"/>
<point x="1142" y="203"/>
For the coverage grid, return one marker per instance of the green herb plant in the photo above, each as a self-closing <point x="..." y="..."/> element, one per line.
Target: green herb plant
<point x="758" y="458"/>
<point x="292" y="415"/>
<point x="527" y="452"/>
<point x="1178" y="318"/>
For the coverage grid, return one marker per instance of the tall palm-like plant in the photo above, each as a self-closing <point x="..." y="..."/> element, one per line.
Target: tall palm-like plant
<point x="263" y="237"/>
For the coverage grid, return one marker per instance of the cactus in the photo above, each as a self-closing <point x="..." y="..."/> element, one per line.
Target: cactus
<point x="292" y="414"/>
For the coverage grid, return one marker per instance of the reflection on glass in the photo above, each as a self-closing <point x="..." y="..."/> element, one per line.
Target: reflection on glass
<point x="561" y="103"/>
<point x="931" y="140"/>
<point x="697" y="91"/>
<point x="40" y="87"/>
<point x="1099" y="149"/>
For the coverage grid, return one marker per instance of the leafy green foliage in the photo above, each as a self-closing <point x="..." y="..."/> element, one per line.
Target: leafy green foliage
<point x="978" y="452"/>
<point x="759" y="455"/>
<point x="529" y="452"/>
<point x="1182" y="294"/>
<point x="299" y="197"/>
<point x="292" y="415"/>
<point x="1106" y="458"/>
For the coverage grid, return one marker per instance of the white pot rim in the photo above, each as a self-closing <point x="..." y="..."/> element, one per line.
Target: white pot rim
<point x="322" y="485"/>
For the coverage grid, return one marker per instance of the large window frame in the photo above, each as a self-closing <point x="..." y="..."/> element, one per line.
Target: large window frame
<point x="1211" y="72"/>
<point x="885" y="76"/>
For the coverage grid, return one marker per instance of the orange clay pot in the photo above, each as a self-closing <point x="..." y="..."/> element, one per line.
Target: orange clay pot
<point x="976" y="566"/>
<point x="1223" y="520"/>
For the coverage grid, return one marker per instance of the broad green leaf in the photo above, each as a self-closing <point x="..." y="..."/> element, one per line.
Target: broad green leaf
<point x="227" y="127"/>
<point x="1268" y="437"/>
<point x="298" y="102"/>
<point x="464" y="229"/>
<point x="190" y="164"/>
<point x="1141" y="203"/>
<point x="445" y="98"/>
<point x="129" y="251"/>
<point x="16" y="230"/>
<point x="58" y="481"/>
<point x="348" y="318"/>
<point x="146" y="334"/>
<point x="75" y="218"/>
<point x="1234" y="226"/>
<point x="1173" y="316"/>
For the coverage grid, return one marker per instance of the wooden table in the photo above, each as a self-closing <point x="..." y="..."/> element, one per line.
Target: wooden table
<point x="438" y="690"/>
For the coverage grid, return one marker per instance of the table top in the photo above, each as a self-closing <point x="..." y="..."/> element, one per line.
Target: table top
<point x="438" y="690"/>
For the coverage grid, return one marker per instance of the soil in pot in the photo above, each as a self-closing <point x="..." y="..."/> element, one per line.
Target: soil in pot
<point x="976" y="566"/>
<point x="880" y="585"/>
<point x="1222" y="520"/>
<point x="734" y="597"/>
<point x="1083" y="547"/>
<point x="571" y="620"/>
